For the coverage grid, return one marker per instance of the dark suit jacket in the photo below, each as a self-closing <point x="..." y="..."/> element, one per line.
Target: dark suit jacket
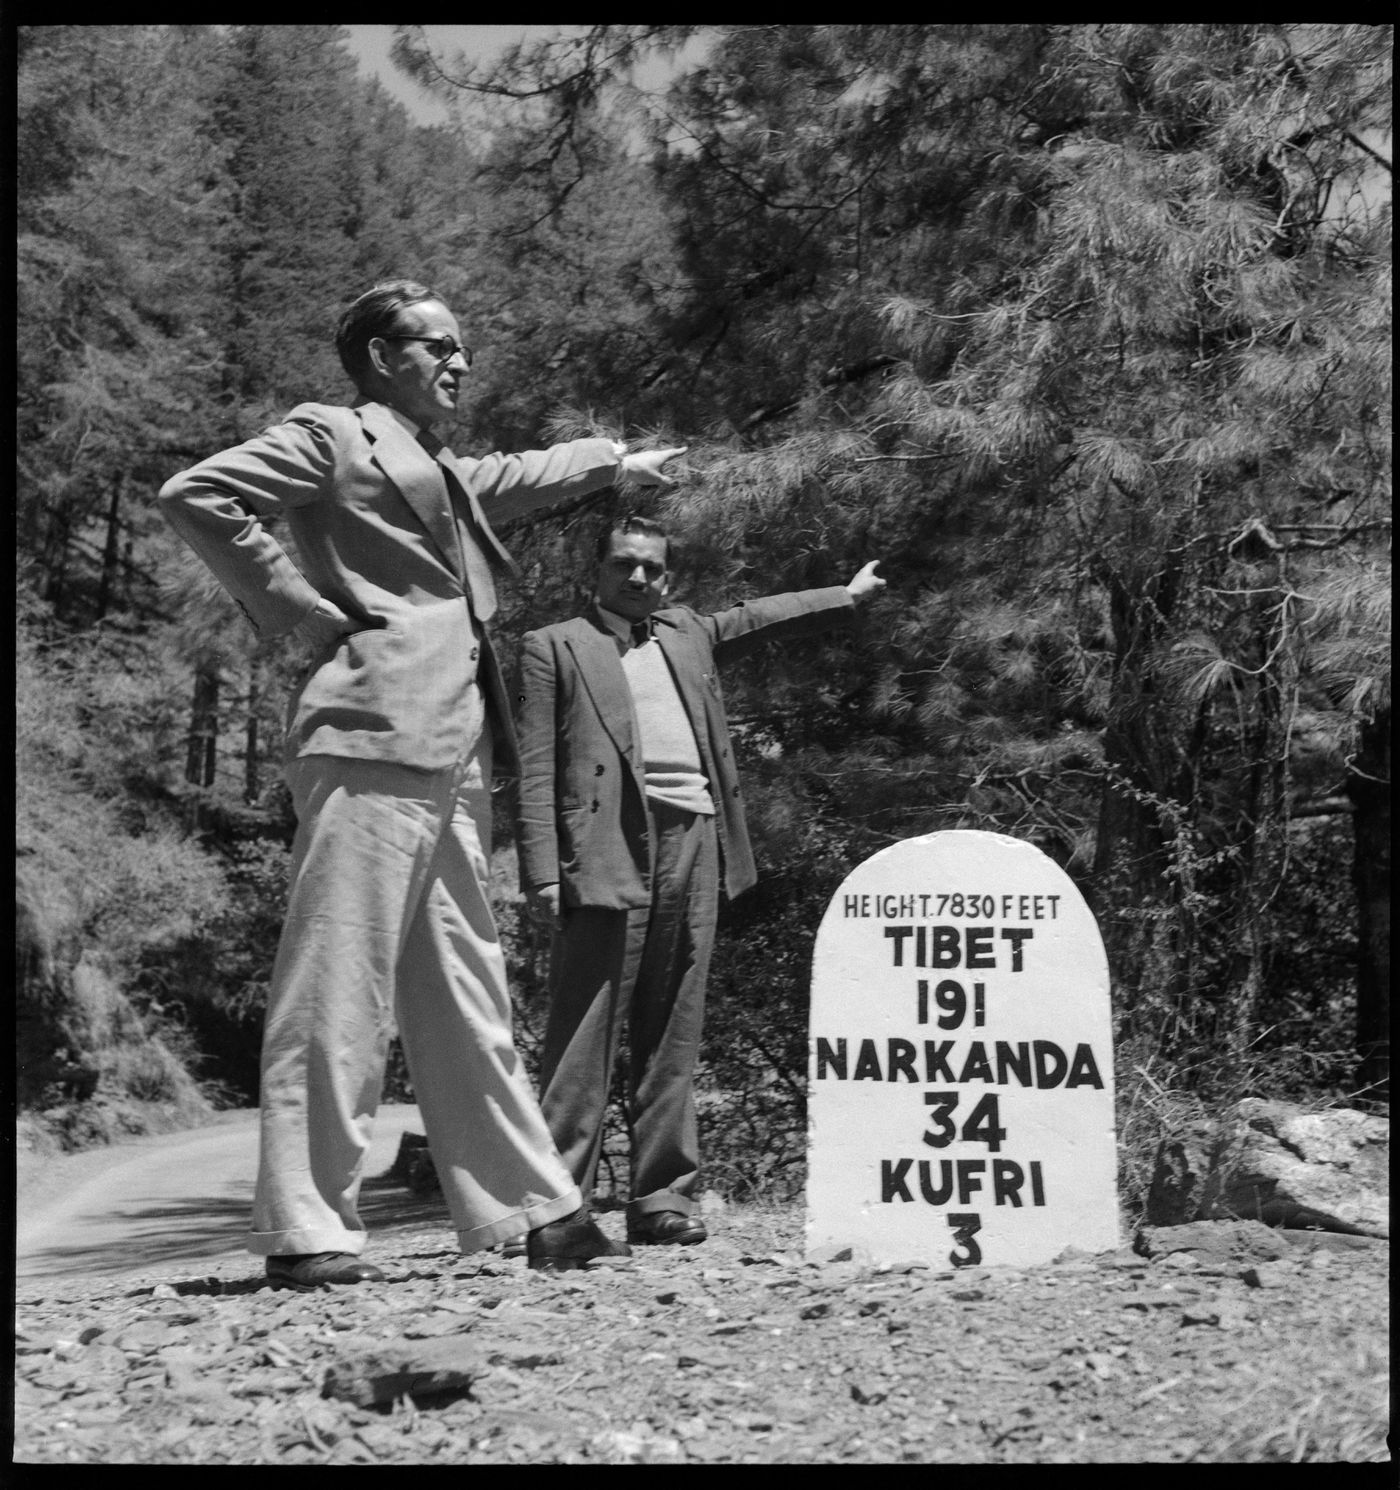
<point x="375" y="531"/>
<point x="583" y="818"/>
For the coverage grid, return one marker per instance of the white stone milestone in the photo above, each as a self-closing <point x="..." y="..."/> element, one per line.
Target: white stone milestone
<point x="960" y="1077"/>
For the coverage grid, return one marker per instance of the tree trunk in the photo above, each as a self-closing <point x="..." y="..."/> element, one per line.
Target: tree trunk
<point x="1262" y="831"/>
<point x="201" y="759"/>
<point x="55" y="559"/>
<point x="1369" y="789"/>
<point x="1130" y="892"/>
<point x="252" y="775"/>
<point x="111" y="551"/>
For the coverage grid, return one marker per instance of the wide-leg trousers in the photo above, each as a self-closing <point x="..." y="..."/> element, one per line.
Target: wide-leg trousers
<point x="647" y="967"/>
<point x="388" y="920"/>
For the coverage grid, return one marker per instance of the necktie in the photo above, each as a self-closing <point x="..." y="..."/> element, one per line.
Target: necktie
<point x="641" y="633"/>
<point x="481" y="587"/>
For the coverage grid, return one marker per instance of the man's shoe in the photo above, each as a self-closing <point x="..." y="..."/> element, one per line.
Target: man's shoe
<point x="561" y="1246"/>
<point x="307" y="1270"/>
<point x="666" y="1228"/>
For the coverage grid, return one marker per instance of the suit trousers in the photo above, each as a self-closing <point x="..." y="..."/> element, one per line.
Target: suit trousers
<point x="648" y="968"/>
<point x="388" y="920"/>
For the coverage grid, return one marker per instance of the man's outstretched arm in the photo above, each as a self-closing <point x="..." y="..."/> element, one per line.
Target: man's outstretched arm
<point x="751" y="623"/>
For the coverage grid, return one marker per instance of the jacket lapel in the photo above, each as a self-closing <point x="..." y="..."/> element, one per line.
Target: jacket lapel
<point x="416" y="476"/>
<point x="487" y="538"/>
<point x="594" y="651"/>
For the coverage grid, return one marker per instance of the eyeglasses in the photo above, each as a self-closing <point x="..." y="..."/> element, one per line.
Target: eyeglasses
<point x="442" y="348"/>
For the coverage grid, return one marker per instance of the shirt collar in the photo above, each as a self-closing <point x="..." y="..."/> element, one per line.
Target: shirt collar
<point x="404" y="421"/>
<point x="620" y="626"/>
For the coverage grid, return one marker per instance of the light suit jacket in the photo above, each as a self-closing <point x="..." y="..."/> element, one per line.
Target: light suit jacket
<point x="373" y="529"/>
<point x="583" y="822"/>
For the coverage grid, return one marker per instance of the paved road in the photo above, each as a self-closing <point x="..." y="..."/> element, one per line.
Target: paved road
<point x="175" y="1197"/>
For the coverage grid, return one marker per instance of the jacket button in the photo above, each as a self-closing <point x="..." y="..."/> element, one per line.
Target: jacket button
<point x="598" y="770"/>
<point x="474" y="653"/>
<point x="736" y="791"/>
<point x="594" y="808"/>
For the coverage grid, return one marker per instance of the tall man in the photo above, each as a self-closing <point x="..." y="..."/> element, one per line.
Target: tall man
<point x="390" y="743"/>
<point x="630" y="820"/>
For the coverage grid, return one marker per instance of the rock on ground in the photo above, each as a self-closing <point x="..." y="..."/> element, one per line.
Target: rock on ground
<point x="1280" y="1164"/>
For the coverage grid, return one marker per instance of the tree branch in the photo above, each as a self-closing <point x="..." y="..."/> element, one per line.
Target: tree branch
<point x="834" y="377"/>
<point x="1362" y="145"/>
<point x="1326" y="807"/>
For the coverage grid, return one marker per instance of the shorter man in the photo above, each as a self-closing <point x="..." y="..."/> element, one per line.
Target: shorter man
<point x="630" y="813"/>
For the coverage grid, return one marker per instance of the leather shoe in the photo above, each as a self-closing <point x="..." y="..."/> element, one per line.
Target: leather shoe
<point x="307" y="1270"/>
<point x="662" y="1228"/>
<point x="561" y="1246"/>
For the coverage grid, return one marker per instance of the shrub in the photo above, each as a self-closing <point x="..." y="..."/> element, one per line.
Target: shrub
<point x="94" y="896"/>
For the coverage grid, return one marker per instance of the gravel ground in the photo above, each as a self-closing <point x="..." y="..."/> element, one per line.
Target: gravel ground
<point x="1252" y="1346"/>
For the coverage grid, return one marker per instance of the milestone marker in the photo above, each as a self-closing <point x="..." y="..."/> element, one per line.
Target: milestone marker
<point x="960" y="1060"/>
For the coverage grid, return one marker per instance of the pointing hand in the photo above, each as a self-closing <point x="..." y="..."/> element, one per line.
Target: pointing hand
<point x="644" y="466"/>
<point x="866" y="582"/>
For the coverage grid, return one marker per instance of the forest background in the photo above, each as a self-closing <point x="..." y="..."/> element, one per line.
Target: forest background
<point x="1084" y="330"/>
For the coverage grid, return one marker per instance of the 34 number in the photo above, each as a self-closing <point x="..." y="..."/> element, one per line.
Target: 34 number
<point x="983" y="1124"/>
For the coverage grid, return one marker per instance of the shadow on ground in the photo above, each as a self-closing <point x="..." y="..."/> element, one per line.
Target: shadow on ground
<point x="159" y="1235"/>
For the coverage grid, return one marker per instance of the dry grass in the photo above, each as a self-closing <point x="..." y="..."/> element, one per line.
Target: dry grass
<point x="1159" y="1102"/>
<point x="1337" y="1412"/>
<point x="1150" y="1111"/>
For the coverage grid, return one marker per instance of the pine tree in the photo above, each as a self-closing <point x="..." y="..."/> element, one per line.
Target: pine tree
<point x="182" y="261"/>
<point x="1085" y="328"/>
<point x="325" y="195"/>
<point x="114" y="216"/>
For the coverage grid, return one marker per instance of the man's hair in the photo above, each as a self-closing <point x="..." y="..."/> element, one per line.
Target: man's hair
<point x="633" y="523"/>
<point x="375" y="313"/>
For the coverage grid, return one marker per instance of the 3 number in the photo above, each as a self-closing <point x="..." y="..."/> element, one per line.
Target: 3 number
<point x="965" y="1224"/>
